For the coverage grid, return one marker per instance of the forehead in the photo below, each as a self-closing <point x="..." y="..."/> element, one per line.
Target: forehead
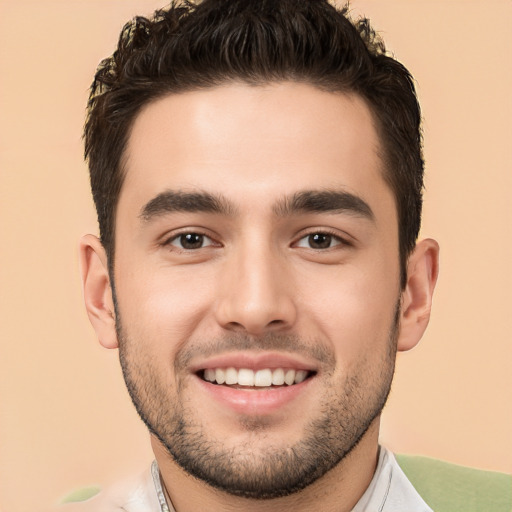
<point x="253" y="143"/>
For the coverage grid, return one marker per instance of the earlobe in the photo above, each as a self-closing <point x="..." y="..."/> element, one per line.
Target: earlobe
<point x="97" y="290"/>
<point x="422" y="272"/>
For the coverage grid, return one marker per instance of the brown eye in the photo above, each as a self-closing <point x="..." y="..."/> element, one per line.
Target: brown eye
<point x="319" y="241"/>
<point x="191" y="241"/>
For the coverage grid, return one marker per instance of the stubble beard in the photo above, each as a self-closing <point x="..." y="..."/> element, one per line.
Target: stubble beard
<point x="348" y="408"/>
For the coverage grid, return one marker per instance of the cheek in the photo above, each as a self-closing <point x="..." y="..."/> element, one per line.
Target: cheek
<point x="165" y="304"/>
<point x="353" y="307"/>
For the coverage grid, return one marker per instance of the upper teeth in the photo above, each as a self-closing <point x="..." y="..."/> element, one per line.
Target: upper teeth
<point x="260" y="378"/>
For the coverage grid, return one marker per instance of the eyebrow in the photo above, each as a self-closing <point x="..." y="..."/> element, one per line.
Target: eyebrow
<point x="177" y="201"/>
<point x="306" y="201"/>
<point x="324" y="201"/>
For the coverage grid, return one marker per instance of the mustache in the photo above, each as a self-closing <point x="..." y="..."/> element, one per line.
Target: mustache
<point x="239" y="342"/>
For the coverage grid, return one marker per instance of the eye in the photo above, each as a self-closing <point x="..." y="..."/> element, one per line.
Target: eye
<point x="319" y="240"/>
<point x="190" y="241"/>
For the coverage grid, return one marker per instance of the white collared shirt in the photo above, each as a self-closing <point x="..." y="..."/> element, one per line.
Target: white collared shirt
<point x="390" y="490"/>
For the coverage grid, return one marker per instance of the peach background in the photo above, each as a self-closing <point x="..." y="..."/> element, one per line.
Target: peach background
<point x="65" y="418"/>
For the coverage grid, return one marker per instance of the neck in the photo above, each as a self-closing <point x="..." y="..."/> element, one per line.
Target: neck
<point x="337" y="491"/>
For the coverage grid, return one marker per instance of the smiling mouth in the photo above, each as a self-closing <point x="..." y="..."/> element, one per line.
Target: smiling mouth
<point x="247" y="378"/>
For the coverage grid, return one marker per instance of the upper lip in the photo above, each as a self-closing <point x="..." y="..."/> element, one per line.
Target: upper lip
<point x="255" y="361"/>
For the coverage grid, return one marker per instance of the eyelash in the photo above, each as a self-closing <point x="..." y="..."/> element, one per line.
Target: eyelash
<point x="177" y="236"/>
<point x="340" y="241"/>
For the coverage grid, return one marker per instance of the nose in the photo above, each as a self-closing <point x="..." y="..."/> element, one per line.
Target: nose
<point x="256" y="293"/>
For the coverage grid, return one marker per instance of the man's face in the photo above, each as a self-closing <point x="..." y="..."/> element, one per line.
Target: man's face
<point x="256" y="242"/>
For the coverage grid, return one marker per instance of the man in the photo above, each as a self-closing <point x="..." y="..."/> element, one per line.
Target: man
<point x="257" y="173"/>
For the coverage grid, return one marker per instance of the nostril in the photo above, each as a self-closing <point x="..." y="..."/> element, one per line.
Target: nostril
<point x="235" y="326"/>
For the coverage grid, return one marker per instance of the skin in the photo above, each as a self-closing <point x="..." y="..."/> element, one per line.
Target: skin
<point x="258" y="278"/>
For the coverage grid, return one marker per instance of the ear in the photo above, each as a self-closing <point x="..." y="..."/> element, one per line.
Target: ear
<point x="97" y="290"/>
<point x="422" y="272"/>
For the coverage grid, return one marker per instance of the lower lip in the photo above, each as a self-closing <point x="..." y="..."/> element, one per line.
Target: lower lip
<point x="255" y="401"/>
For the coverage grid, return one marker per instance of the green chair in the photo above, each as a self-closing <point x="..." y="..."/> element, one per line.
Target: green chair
<point x="81" y="494"/>
<point x="450" y="488"/>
